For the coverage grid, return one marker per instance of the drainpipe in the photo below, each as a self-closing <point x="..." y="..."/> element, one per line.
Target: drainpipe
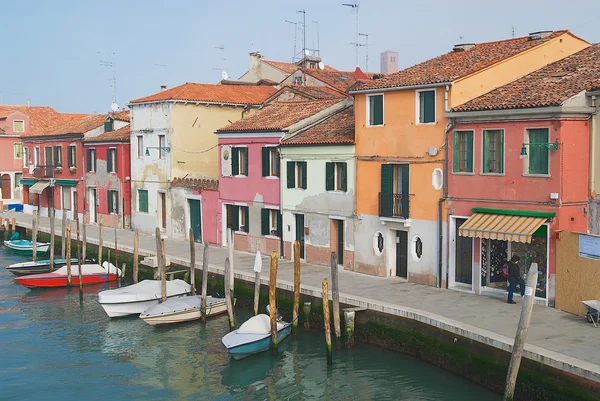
<point x="442" y="200"/>
<point x="593" y="147"/>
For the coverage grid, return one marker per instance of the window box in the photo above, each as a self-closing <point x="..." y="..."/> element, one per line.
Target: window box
<point x="58" y="169"/>
<point x="72" y="169"/>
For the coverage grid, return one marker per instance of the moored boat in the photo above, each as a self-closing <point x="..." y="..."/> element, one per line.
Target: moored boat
<point x="136" y="298"/>
<point x="25" y="247"/>
<point x="184" y="309"/>
<point x="90" y="274"/>
<point x="40" y="266"/>
<point x="254" y="336"/>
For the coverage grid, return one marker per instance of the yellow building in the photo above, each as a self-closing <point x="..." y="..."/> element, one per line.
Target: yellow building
<point x="401" y="137"/>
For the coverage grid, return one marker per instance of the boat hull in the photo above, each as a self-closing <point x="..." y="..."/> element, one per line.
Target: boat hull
<point x="52" y="280"/>
<point x="123" y="309"/>
<point x="257" y="343"/>
<point x="188" y="315"/>
<point x="26" y="268"/>
<point x="27" y="250"/>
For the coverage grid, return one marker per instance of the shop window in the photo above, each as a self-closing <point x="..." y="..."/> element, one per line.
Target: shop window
<point x="463" y="152"/>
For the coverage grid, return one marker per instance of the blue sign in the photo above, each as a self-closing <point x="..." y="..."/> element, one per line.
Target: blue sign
<point x="589" y="247"/>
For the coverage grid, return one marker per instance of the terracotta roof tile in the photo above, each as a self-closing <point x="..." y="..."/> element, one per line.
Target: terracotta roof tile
<point x="41" y="117"/>
<point x="337" y="129"/>
<point x="288" y="68"/>
<point x="79" y="126"/>
<point x="456" y="64"/>
<point x="279" y="115"/>
<point x="309" y="93"/>
<point x="340" y="80"/>
<point x="122" y="115"/>
<point x="213" y="93"/>
<point x="120" y="135"/>
<point x="546" y="87"/>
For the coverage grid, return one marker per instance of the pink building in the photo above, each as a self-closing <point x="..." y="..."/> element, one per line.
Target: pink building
<point x="518" y="173"/>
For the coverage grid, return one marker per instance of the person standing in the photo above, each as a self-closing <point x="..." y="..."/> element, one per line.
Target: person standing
<point x="514" y="278"/>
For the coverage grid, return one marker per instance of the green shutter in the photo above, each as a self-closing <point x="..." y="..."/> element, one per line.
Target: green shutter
<point x="110" y="202"/>
<point x="386" y="197"/>
<point x="428" y="104"/>
<point x="486" y="152"/>
<point x="501" y="153"/>
<point x="378" y="110"/>
<point x="279" y="225"/>
<point x="88" y="163"/>
<point x="278" y="162"/>
<point x="235" y="218"/>
<point x="329" y="176"/>
<point x="405" y="171"/>
<point x="115" y="160"/>
<point x="265" y="162"/>
<point x="264" y="221"/>
<point x="235" y="161"/>
<point x="291" y="174"/>
<point x="344" y="177"/>
<point x="70" y="156"/>
<point x="304" y="174"/>
<point x="456" y="153"/>
<point x="538" y="155"/>
<point x="246" y="211"/>
<point x="469" y="136"/>
<point x="244" y="159"/>
<point x="143" y="201"/>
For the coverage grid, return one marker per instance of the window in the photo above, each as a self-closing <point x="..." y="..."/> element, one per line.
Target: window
<point x="140" y="147"/>
<point x="26" y="157"/>
<point x="426" y="106"/>
<point x="493" y="151"/>
<point x="66" y="198"/>
<point x="239" y="161"/>
<point x="18" y="150"/>
<point x="539" y="156"/>
<point x="417" y="248"/>
<point x="72" y="156"/>
<point x="374" y="110"/>
<point x="108" y="125"/>
<point x="91" y="160"/>
<point x="162" y="144"/>
<point x="394" y="196"/>
<point x="271" y="222"/>
<point x="113" y="201"/>
<point x="36" y="156"/>
<point x="270" y="161"/>
<point x="296" y="175"/>
<point x="143" y="200"/>
<point x="298" y="80"/>
<point x="335" y="176"/>
<point x="463" y="152"/>
<point x="238" y="218"/>
<point x="18" y="178"/>
<point x="58" y="156"/>
<point x="111" y="160"/>
<point x="244" y="218"/>
<point x="18" y="126"/>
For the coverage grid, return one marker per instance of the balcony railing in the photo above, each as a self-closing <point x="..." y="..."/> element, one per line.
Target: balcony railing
<point x="393" y="205"/>
<point x="44" y="171"/>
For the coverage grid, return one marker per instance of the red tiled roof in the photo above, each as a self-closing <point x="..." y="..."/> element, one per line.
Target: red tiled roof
<point x="122" y="115"/>
<point x="120" y="135"/>
<point x="41" y="117"/>
<point x="456" y="64"/>
<point x="79" y="126"/>
<point x="337" y="129"/>
<point x="213" y="93"/>
<point x="546" y="87"/>
<point x="288" y="68"/>
<point x="309" y="93"/>
<point x="340" y="80"/>
<point x="279" y="115"/>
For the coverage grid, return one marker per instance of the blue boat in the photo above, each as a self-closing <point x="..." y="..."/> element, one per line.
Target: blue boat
<point x="25" y="247"/>
<point x="254" y="336"/>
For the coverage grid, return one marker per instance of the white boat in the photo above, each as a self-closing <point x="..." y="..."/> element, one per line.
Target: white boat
<point x="254" y="336"/>
<point x="185" y="309"/>
<point x="136" y="298"/>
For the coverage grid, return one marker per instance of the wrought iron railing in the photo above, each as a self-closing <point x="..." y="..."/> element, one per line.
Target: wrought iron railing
<point x="44" y="171"/>
<point x="394" y="205"/>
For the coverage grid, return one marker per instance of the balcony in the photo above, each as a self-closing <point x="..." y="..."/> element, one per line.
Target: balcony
<point x="44" y="171"/>
<point x="393" y="205"/>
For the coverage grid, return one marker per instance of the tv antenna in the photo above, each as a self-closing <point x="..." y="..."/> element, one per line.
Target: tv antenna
<point x="318" y="45"/>
<point x="220" y="67"/>
<point x="354" y="6"/>
<point x="366" y="35"/>
<point x="304" y="50"/>
<point x="164" y="67"/>
<point x="111" y="64"/>
<point x="513" y="33"/>
<point x="295" y="36"/>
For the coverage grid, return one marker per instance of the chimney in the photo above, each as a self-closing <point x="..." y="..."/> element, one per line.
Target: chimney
<point x="540" y="35"/>
<point x="28" y="103"/>
<point x="163" y="88"/>
<point x="462" y="47"/>
<point x="254" y="68"/>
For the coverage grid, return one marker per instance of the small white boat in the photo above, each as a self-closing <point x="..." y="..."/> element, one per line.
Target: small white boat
<point x="136" y="298"/>
<point x="254" y="336"/>
<point x="184" y="309"/>
<point x="25" y="247"/>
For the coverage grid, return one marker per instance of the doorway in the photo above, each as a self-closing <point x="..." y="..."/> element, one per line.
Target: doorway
<point x="195" y="219"/>
<point x="463" y="260"/>
<point x="162" y="204"/>
<point x="402" y="254"/>
<point x="6" y="187"/>
<point x="93" y="206"/>
<point x="340" y="241"/>
<point x="300" y="232"/>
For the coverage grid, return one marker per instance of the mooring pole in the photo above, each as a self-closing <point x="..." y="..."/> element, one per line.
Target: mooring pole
<point x="335" y="295"/>
<point x="13" y="224"/>
<point x="52" y="211"/>
<point x="306" y="313"/>
<point x="79" y="251"/>
<point x="159" y="265"/>
<point x="192" y="262"/>
<point x="84" y="237"/>
<point x="230" y="243"/>
<point x="517" y="353"/>
<point x="63" y="234"/>
<point x="34" y="235"/>
<point x="204" y="281"/>
<point x="136" y="245"/>
<point x="68" y="240"/>
<point x="257" y="269"/>
<point x="116" y="251"/>
<point x="327" y="321"/>
<point x="100" y="241"/>
<point x="296" y="286"/>
<point x="349" y="324"/>
<point x="163" y="260"/>
<point x="228" y="294"/>
<point x="272" y="301"/>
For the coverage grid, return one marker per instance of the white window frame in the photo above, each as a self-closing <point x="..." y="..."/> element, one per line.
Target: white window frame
<point x="62" y="198"/>
<point x="112" y="150"/>
<point x="61" y="155"/>
<point x="95" y="159"/>
<point x="140" y="146"/>
<point x="25" y="157"/>
<point x="418" y="106"/>
<point x="296" y="175"/>
<point x="337" y="179"/>
<point x="15" y="150"/>
<point x="18" y="121"/>
<point x="236" y="148"/>
<point x="273" y="223"/>
<point x="240" y="216"/>
<point x="74" y="158"/>
<point x="36" y="156"/>
<point x="162" y="143"/>
<point x="273" y="149"/>
<point x="18" y="185"/>
<point x="368" y="124"/>
<point x="526" y="159"/>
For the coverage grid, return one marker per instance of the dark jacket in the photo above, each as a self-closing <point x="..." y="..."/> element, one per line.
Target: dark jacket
<point x="514" y="273"/>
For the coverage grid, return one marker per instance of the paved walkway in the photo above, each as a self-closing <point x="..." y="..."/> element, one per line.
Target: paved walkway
<point x="555" y="338"/>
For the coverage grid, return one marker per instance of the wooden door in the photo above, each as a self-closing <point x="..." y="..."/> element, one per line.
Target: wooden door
<point x="402" y="254"/>
<point x="195" y="219"/>
<point x="6" y="187"/>
<point x="163" y="210"/>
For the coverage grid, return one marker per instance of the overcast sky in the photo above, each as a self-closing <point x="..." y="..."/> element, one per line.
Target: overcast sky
<point x="52" y="51"/>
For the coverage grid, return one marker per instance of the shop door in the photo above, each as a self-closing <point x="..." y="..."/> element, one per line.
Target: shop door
<point x="93" y="206"/>
<point x="340" y="241"/>
<point x="195" y="219"/>
<point x="494" y="254"/>
<point x="463" y="261"/>
<point x="300" y="233"/>
<point x="162" y="201"/>
<point x="402" y="254"/>
<point x="6" y="187"/>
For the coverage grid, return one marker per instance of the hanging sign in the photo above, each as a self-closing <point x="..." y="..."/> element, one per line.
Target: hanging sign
<point x="589" y="247"/>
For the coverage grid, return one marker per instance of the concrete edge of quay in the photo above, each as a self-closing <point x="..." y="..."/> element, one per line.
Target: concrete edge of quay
<point x="561" y="362"/>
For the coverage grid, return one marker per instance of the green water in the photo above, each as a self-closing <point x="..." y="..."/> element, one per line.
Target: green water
<point x="54" y="348"/>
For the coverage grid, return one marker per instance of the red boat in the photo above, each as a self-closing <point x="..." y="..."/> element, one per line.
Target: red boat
<point x="90" y="274"/>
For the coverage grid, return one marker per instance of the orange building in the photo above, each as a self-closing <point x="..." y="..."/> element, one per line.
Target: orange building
<point x="401" y="139"/>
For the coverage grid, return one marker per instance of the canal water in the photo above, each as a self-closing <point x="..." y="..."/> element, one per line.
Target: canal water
<point x="54" y="348"/>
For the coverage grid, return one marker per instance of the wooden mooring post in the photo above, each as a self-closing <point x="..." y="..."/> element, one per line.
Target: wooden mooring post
<point x="521" y="336"/>
<point x="335" y="295"/>
<point x="257" y="269"/>
<point x="63" y="233"/>
<point x="349" y="326"/>
<point x="228" y="273"/>
<point x="204" y="281"/>
<point x="79" y="252"/>
<point x="192" y="262"/>
<point x="100" y="241"/>
<point x="273" y="301"/>
<point x="34" y="235"/>
<point x="230" y="243"/>
<point x="68" y="255"/>
<point x="296" y="286"/>
<point x="116" y="251"/>
<point x="306" y="313"/>
<point x="13" y="225"/>
<point x="84" y="239"/>
<point x="327" y="321"/>
<point x="52" y="213"/>
<point x="136" y="245"/>
<point x="160" y="265"/>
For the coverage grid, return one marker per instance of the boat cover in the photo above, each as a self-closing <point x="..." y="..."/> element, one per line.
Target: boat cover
<point x="259" y="324"/>
<point x="174" y="305"/>
<point x="143" y="291"/>
<point x="88" y="269"/>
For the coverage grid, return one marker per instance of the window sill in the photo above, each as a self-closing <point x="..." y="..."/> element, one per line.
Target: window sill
<point x="239" y="176"/>
<point x="240" y="232"/>
<point x="272" y="237"/>
<point x="537" y="175"/>
<point x="462" y="173"/>
<point x="493" y="174"/>
<point x="374" y="126"/>
<point x="271" y="177"/>
<point x="336" y="191"/>
<point x="432" y="123"/>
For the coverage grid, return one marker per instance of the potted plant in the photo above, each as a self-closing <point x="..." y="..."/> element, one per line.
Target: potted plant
<point x="58" y="169"/>
<point x="72" y="169"/>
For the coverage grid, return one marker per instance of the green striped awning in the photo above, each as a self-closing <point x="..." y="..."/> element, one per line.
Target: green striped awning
<point x="66" y="183"/>
<point x="26" y="181"/>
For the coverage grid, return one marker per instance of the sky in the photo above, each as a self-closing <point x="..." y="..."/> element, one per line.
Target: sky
<point x="58" y="53"/>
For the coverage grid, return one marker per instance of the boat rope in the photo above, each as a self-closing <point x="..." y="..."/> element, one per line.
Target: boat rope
<point x="203" y="312"/>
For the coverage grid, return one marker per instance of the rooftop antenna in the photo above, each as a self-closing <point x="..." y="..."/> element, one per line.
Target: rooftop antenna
<point x="304" y="50"/>
<point x="366" y="35"/>
<point x="513" y="31"/>
<point x="356" y="44"/>
<point x="163" y="66"/>
<point x="220" y="67"/>
<point x="318" y="45"/>
<point x="295" y="35"/>
<point x="111" y="64"/>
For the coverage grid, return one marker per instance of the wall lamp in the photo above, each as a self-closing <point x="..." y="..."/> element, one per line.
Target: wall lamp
<point x="552" y="146"/>
<point x="165" y="148"/>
